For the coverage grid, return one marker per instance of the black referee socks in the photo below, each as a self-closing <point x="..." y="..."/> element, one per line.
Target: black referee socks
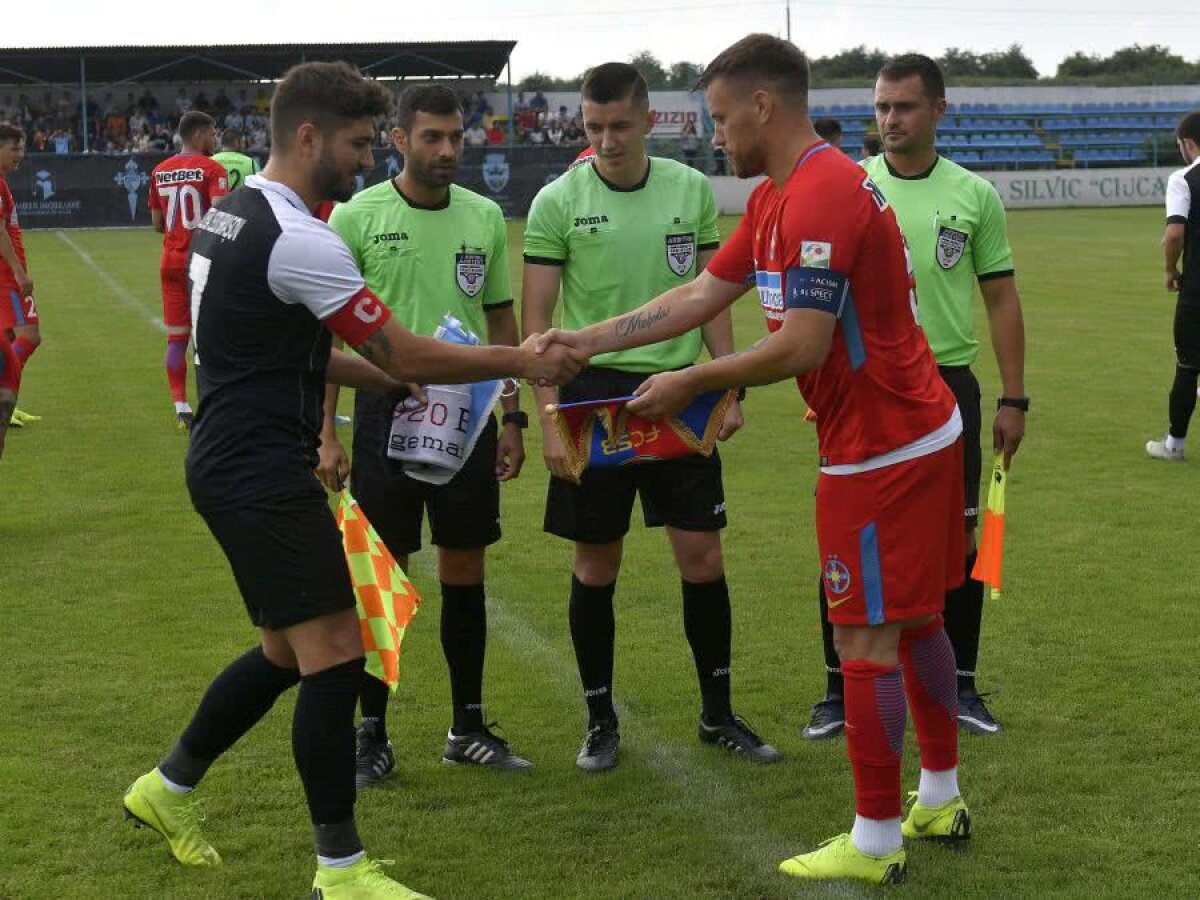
<point x="708" y="624"/>
<point x="834" y="685"/>
<point x="593" y="631"/>
<point x="464" y="641"/>
<point x="964" y="621"/>
<point x="232" y="705"/>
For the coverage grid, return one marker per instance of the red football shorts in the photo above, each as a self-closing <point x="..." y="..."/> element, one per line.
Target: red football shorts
<point x="14" y="309"/>
<point x="177" y="310"/>
<point x="892" y="540"/>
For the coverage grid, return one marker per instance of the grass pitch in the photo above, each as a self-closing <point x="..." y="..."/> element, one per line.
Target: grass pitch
<point x="120" y="609"/>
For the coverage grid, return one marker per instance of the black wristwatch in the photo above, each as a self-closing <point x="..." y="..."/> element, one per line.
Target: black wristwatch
<point x="1021" y="403"/>
<point x="520" y="418"/>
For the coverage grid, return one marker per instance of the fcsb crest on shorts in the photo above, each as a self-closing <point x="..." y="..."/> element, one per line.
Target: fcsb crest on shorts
<point x="837" y="577"/>
<point x="470" y="271"/>
<point x="950" y="246"/>
<point x="681" y="253"/>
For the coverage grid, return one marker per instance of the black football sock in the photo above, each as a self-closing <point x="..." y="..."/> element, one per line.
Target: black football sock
<point x="708" y="624"/>
<point x="593" y="632"/>
<point x="964" y="616"/>
<point x="464" y="639"/>
<point x="1182" y="401"/>
<point x="233" y="704"/>
<point x="323" y="742"/>
<point x="373" y="701"/>
<point x="834" y="687"/>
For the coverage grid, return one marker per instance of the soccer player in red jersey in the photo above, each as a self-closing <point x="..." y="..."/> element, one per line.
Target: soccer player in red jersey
<point x="587" y="155"/>
<point x="10" y="383"/>
<point x="833" y="277"/>
<point x="18" y="313"/>
<point x="182" y="189"/>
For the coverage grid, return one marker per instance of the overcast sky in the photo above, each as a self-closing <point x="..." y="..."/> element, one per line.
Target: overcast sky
<point x="563" y="38"/>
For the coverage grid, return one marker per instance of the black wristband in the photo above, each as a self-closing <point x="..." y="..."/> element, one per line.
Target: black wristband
<point x="1021" y="403"/>
<point x="518" y="417"/>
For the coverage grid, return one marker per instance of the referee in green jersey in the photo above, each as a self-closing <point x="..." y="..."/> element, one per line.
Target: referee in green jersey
<point x="954" y="223"/>
<point x="236" y="163"/>
<point x="611" y="236"/>
<point x="428" y="247"/>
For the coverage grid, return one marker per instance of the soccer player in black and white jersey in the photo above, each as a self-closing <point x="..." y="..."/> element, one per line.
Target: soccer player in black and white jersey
<point x="1182" y="239"/>
<point x="270" y="284"/>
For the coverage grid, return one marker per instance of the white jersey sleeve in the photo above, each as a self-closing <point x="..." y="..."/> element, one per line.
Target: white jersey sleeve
<point x="312" y="266"/>
<point x="1179" y="197"/>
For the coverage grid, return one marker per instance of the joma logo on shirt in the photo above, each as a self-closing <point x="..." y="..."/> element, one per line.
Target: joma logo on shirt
<point x="581" y="221"/>
<point x="388" y="237"/>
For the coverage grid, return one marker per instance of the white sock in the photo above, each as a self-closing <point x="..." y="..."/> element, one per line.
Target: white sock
<point x="181" y="406"/>
<point x="172" y="786"/>
<point x="341" y="862"/>
<point x="937" y="788"/>
<point x="1174" y="443"/>
<point x="876" y="837"/>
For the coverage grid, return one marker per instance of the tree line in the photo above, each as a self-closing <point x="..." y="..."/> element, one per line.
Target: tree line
<point x="1137" y="64"/>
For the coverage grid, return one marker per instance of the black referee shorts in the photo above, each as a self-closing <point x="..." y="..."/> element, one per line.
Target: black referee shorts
<point x="287" y="558"/>
<point x="464" y="513"/>
<point x="965" y="387"/>
<point x="685" y="493"/>
<point x="1187" y="330"/>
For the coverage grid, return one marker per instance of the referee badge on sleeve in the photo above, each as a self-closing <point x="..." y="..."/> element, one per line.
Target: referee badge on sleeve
<point x="950" y="246"/>
<point x="681" y="253"/>
<point x="470" y="270"/>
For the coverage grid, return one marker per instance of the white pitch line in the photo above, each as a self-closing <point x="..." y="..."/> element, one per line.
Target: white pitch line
<point x="125" y="295"/>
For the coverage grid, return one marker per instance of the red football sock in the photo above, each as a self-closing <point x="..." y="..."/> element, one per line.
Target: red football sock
<point x="24" y="349"/>
<point x="177" y="366"/>
<point x="932" y="687"/>
<point x="875" y="716"/>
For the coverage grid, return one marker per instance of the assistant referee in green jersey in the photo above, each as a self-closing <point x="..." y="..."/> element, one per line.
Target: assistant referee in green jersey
<point x="613" y="235"/>
<point x="957" y="235"/>
<point x="237" y="164"/>
<point x="428" y="247"/>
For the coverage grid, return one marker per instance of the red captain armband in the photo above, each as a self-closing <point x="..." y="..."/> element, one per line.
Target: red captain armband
<point x="360" y="317"/>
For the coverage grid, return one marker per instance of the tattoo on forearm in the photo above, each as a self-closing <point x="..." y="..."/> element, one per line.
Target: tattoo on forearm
<point x="631" y="325"/>
<point x="376" y="348"/>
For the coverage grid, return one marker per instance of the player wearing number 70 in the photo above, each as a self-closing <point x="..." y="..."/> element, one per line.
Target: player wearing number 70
<point x="182" y="189"/>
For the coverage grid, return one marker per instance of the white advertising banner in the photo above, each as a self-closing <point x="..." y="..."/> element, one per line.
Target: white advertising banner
<point x="1047" y="188"/>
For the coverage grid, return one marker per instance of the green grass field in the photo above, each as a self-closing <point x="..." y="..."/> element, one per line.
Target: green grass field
<point x="119" y="608"/>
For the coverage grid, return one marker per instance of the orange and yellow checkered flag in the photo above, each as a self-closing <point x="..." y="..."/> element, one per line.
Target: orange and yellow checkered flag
<point x="990" y="561"/>
<point x="387" y="601"/>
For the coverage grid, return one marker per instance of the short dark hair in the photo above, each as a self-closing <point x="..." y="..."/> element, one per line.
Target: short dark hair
<point x="763" y="57"/>
<point x="828" y="128"/>
<point x="613" y="81"/>
<point x="230" y="136"/>
<point x="328" y="95"/>
<point x="428" y="98"/>
<point x="1188" y="128"/>
<point x="11" y="132"/>
<point x="192" y="121"/>
<point x="933" y="82"/>
<point x="872" y="144"/>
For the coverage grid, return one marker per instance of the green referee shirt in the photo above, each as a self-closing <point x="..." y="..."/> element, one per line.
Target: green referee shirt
<point x="239" y="166"/>
<point x="956" y="231"/>
<point x="425" y="262"/>
<point x="619" y="248"/>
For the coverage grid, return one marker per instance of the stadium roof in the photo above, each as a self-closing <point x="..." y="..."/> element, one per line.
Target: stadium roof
<point x="68" y="65"/>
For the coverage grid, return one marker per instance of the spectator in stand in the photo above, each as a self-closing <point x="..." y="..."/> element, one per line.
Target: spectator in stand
<point x="160" y="141"/>
<point x="871" y="146"/>
<point x="475" y="136"/>
<point x="61" y="140"/>
<point x="258" y="140"/>
<point x="182" y="102"/>
<point x="234" y="120"/>
<point x="830" y="130"/>
<point x="539" y="104"/>
<point x="141" y="141"/>
<point x="202" y="103"/>
<point x="137" y="121"/>
<point x="496" y="135"/>
<point x="147" y="103"/>
<point x="262" y="102"/>
<point x="689" y="143"/>
<point x="221" y="103"/>
<point x="554" y="133"/>
<point x="536" y="137"/>
<point x="116" y="126"/>
<point x="573" y="133"/>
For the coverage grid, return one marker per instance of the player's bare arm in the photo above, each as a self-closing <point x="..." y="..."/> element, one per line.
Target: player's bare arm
<point x="409" y="357"/>
<point x="539" y="296"/>
<point x="718" y="338"/>
<point x="9" y="254"/>
<point x="159" y="220"/>
<point x="502" y="331"/>
<point x="1007" y="325"/>
<point x="800" y="346"/>
<point x="1172" y="251"/>
<point x="333" y="465"/>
